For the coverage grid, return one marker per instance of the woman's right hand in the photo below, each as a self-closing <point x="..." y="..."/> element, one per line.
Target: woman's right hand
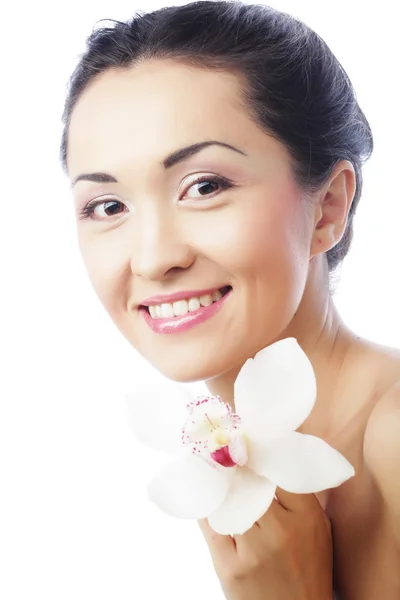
<point x="286" y="555"/>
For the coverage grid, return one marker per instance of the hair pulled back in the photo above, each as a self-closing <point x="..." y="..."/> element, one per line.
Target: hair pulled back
<point x="293" y="85"/>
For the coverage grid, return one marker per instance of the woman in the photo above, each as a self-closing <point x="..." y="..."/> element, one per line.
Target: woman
<point x="215" y="153"/>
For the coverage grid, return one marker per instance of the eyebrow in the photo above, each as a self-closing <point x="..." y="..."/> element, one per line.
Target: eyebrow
<point x="168" y="162"/>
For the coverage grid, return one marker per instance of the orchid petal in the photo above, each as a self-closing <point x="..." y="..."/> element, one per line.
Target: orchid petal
<point x="276" y="391"/>
<point x="157" y="415"/>
<point x="249" y="497"/>
<point x="190" y="488"/>
<point x="300" y="463"/>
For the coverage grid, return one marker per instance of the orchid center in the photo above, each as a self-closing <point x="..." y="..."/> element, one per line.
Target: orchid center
<point x="212" y="431"/>
<point x="231" y="451"/>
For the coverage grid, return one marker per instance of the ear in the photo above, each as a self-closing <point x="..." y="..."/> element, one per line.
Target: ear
<point x="332" y="208"/>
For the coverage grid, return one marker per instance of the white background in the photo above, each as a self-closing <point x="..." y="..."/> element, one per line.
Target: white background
<point x="74" y="519"/>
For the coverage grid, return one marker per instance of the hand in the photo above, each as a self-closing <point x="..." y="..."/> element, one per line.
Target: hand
<point x="286" y="555"/>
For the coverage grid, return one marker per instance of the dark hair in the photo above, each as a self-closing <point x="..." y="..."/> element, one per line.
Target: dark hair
<point x="294" y="87"/>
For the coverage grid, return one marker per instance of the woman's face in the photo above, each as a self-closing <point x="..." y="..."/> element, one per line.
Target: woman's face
<point x="158" y="232"/>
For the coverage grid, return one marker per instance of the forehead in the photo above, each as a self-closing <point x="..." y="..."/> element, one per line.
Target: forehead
<point x="129" y="119"/>
<point x="155" y="90"/>
<point x="155" y="105"/>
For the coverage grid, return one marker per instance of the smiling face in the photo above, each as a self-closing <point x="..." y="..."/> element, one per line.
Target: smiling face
<point x="158" y="231"/>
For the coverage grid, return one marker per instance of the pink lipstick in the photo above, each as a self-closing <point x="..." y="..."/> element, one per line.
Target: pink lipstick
<point x="182" y="323"/>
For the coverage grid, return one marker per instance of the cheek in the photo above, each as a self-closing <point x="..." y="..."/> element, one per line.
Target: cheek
<point x="269" y="262"/>
<point x="263" y="239"/>
<point x="106" y="269"/>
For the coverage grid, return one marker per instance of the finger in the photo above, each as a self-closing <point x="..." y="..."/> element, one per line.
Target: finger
<point x="217" y="543"/>
<point x="266" y="522"/>
<point x="297" y="502"/>
<point x="255" y="539"/>
<point x="303" y="503"/>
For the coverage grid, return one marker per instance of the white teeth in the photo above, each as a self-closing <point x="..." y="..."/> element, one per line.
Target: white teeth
<point x="167" y="311"/>
<point x="182" y="307"/>
<point x="194" y="304"/>
<point x="216" y="295"/>
<point x="206" y="300"/>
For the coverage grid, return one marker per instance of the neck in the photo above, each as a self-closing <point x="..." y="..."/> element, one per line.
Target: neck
<point x="325" y="339"/>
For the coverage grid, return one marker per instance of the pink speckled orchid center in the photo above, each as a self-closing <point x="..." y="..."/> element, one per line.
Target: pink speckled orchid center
<point x="212" y="431"/>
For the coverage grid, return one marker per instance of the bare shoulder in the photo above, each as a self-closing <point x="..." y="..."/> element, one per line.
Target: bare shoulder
<point x="383" y="427"/>
<point x="378" y="367"/>
<point x="382" y="434"/>
<point x="384" y="365"/>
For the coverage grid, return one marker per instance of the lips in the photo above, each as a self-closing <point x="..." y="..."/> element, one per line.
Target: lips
<point x="184" y="295"/>
<point x="169" y="310"/>
<point x="162" y="319"/>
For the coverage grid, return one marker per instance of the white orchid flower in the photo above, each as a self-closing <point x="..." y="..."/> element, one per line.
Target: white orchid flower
<point x="231" y="463"/>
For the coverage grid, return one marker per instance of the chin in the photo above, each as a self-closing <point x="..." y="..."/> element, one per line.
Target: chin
<point x="184" y="371"/>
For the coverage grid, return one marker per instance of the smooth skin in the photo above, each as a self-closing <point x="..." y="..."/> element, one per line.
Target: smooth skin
<point x="276" y="558"/>
<point x="162" y="233"/>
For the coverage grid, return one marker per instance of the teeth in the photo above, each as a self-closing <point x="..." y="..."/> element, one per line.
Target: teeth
<point x="216" y="295"/>
<point x="166" y="311"/>
<point x="194" y="304"/>
<point x="206" y="300"/>
<point x="182" y="307"/>
<point x="179" y="308"/>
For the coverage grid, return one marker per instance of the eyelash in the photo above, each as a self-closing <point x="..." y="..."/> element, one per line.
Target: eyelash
<point x="88" y="210"/>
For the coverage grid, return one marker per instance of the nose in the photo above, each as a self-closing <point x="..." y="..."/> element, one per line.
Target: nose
<point x="160" y="249"/>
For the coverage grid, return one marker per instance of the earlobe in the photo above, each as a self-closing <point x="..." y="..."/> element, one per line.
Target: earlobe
<point x="332" y="209"/>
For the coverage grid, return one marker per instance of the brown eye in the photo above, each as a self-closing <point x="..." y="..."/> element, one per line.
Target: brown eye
<point x="208" y="185"/>
<point x="112" y="206"/>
